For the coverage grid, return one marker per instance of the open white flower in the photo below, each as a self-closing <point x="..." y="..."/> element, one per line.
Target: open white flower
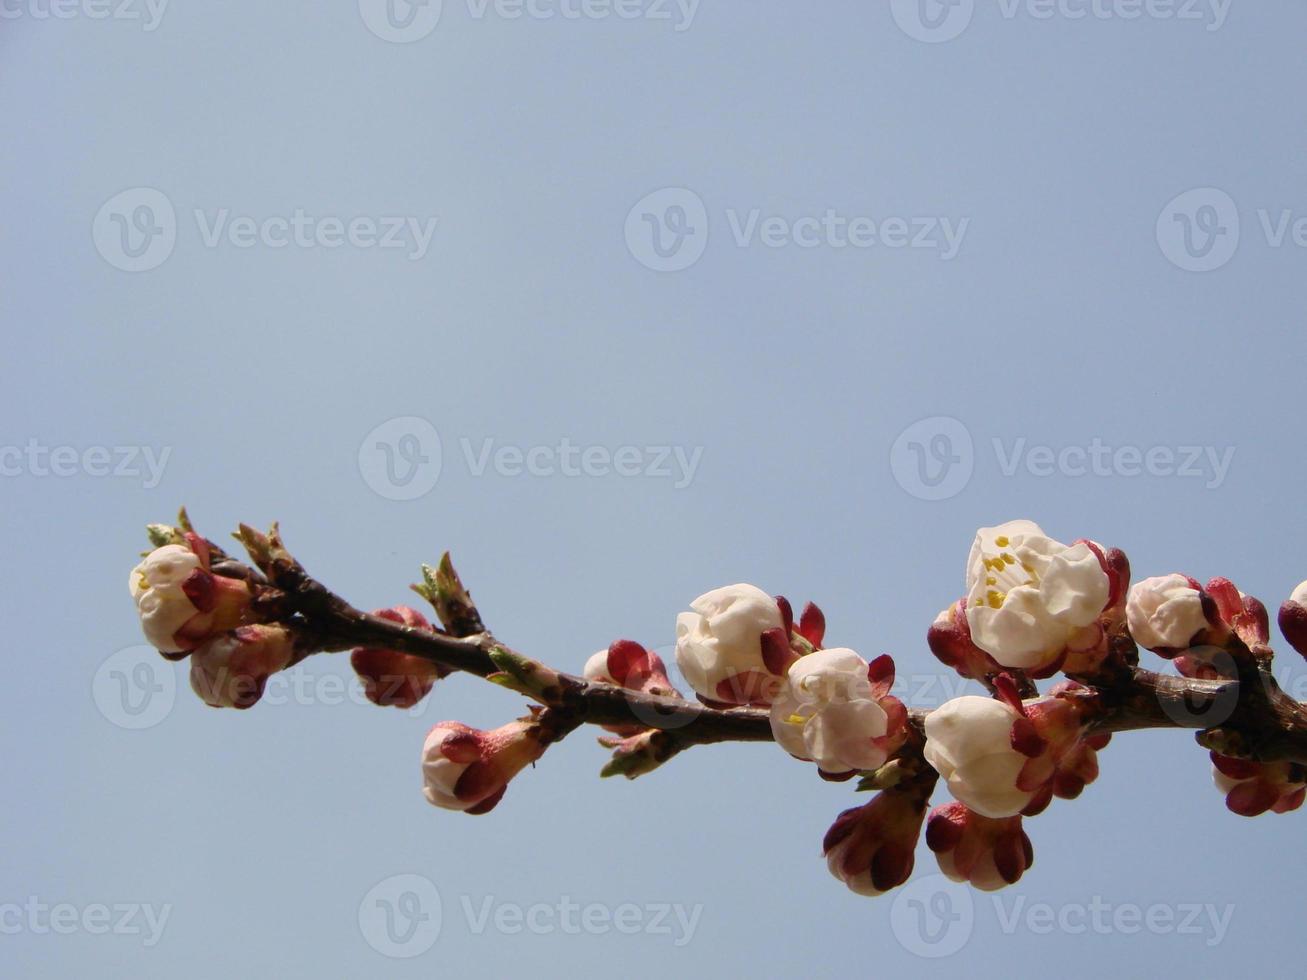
<point x="1027" y="594"/>
<point x="162" y="603"/>
<point x="969" y="743"/>
<point x="1165" y="612"/>
<point x="828" y="713"/>
<point x="719" y="644"/>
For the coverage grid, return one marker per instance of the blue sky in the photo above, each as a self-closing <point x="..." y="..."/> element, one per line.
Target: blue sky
<point x="689" y="295"/>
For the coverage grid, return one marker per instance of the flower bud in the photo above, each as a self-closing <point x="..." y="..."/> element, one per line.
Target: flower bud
<point x="628" y="665"/>
<point x="1252" y="788"/>
<point x="1293" y="619"/>
<point x="231" y="670"/>
<point x="986" y="852"/>
<point x="969" y="742"/>
<point x="1165" y="614"/>
<point x="468" y="769"/>
<point x="835" y="710"/>
<point x="870" y="848"/>
<point x="1243" y="615"/>
<point x="733" y="648"/>
<point x="181" y="603"/>
<point x="1028" y="595"/>
<point x="393" y="678"/>
<point x="1003" y="757"/>
<point x="949" y="639"/>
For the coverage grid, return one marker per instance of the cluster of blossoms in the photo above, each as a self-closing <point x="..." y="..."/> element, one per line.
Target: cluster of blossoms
<point x="1033" y="607"/>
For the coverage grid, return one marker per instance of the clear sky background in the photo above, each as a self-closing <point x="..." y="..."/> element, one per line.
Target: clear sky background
<point x="1071" y="312"/>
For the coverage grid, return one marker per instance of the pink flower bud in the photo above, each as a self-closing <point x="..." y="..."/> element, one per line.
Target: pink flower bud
<point x="949" y="638"/>
<point x="469" y="769"/>
<point x="870" y="848"/>
<point x="1242" y="614"/>
<point x="970" y="847"/>
<point x="181" y="603"/>
<point x="393" y="678"/>
<point x="1252" y="788"/>
<point x="231" y="670"/>
<point x="1293" y="619"/>
<point x="629" y="665"/>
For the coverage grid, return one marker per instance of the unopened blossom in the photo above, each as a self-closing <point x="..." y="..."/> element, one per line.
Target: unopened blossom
<point x="1293" y="619"/>
<point x="871" y="848"/>
<point x="1252" y="788"/>
<point x="231" y="670"/>
<point x="734" y="647"/>
<point x="1002" y="757"/>
<point x="629" y="665"/>
<point x="391" y="677"/>
<point x="1165" y="613"/>
<point x="835" y="710"/>
<point x="1028" y="595"/>
<point x="949" y="639"/>
<point x="469" y="769"/>
<point x="1241" y="614"/>
<point x="969" y="743"/>
<point x="989" y="853"/>
<point x="181" y="603"/>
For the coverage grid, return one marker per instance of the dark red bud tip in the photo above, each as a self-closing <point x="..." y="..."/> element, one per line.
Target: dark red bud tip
<point x="1039" y="803"/>
<point x="201" y="590"/>
<point x="776" y="653"/>
<point x="880" y="672"/>
<point x="812" y="625"/>
<point x="488" y="804"/>
<point x="1252" y="799"/>
<point x="841" y="828"/>
<point x="836" y="777"/>
<point x="891" y="867"/>
<point x="626" y="657"/>
<point x="1026" y="739"/>
<point x="1005" y="689"/>
<point x="1010" y="856"/>
<point x="461" y="747"/>
<point x="944" y="827"/>
<point x="1293" y="624"/>
<point x="787" y="615"/>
